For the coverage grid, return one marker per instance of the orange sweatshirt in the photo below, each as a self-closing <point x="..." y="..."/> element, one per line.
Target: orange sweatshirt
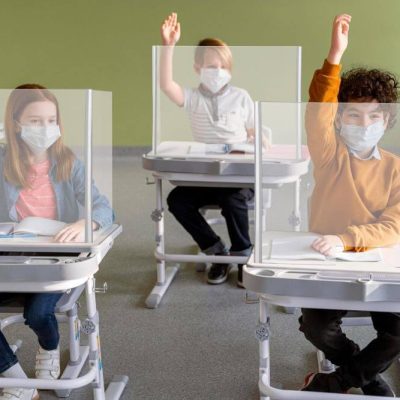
<point x="358" y="200"/>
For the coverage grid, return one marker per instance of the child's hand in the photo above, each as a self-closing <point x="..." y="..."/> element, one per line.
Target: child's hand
<point x="328" y="245"/>
<point x="251" y="138"/>
<point x="73" y="232"/>
<point x="340" y="38"/>
<point x="170" y="30"/>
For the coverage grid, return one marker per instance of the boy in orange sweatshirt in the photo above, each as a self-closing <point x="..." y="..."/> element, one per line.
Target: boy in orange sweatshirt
<point x="355" y="205"/>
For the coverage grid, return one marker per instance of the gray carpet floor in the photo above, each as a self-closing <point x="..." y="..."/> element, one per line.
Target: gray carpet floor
<point x="200" y="343"/>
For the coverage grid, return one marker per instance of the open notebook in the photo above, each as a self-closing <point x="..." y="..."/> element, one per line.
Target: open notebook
<point x="299" y="248"/>
<point x="31" y="226"/>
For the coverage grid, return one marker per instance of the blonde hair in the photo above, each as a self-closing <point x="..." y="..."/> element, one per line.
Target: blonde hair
<point x="217" y="45"/>
<point x="17" y="155"/>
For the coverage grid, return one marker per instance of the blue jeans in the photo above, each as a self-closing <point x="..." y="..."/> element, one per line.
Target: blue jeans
<point x="39" y="316"/>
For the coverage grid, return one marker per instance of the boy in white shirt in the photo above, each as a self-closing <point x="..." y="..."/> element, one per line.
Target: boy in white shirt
<point x="218" y="113"/>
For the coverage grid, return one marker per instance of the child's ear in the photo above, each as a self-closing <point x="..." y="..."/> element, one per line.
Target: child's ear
<point x="196" y="68"/>
<point x="17" y="127"/>
<point x="386" y="120"/>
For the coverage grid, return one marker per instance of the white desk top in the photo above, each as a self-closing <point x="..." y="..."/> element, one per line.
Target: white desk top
<point x="367" y="286"/>
<point x="390" y="264"/>
<point x="181" y="149"/>
<point x="47" y="244"/>
<point x="33" y="272"/>
<point x="173" y="162"/>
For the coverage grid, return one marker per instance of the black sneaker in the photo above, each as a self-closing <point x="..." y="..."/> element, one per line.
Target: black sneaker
<point x="318" y="382"/>
<point x="378" y="387"/>
<point x="218" y="273"/>
<point x="239" y="282"/>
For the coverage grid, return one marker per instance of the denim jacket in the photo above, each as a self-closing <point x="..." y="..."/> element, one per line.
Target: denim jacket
<point x="69" y="194"/>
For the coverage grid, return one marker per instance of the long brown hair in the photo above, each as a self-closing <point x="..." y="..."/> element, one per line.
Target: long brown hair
<point x="18" y="154"/>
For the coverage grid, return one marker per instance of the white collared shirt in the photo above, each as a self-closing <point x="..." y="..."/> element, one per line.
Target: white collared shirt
<point x="235" y="116"/>
<point x="374" y="154"/>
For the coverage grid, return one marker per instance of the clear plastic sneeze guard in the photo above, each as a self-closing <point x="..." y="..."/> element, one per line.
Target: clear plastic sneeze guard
<point x="56" y="167"/>
<point x="210" y="114"/>
<point x="351" y="195"/>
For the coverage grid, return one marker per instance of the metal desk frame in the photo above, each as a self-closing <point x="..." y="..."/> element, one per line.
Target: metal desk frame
<point x="54" y="273"/>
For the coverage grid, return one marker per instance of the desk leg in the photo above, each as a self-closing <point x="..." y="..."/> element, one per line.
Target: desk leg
<point x="91" y="327"/>
<point x="77" y="354"/>
<point x="295" y="221"/>
<point x="164" y="275"/>
<point x="263" y="335"/>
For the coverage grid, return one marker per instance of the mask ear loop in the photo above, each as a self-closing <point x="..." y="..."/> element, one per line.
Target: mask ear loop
<point x="337" y="122"/>
<point x="18" y="124"/>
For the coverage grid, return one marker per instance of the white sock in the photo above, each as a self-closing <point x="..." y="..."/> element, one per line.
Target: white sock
<point x="15" y="371"/>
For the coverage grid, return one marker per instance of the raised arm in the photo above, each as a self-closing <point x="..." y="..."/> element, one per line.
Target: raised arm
<point x="339" y="39"/>
<point x="170" y="34"/>
<point x="324" y="88"/>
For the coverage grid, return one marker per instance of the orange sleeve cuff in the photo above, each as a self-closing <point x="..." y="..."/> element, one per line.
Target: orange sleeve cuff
<point x="331" y="69"/>
<point x="347" y="239"/>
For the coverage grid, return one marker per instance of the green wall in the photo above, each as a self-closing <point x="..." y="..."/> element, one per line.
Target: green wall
<point x="106" y="44"/>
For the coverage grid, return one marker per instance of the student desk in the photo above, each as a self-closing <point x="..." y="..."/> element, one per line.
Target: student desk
<point x="172" y="162"/>
<point x="360" y="286"/>
<point x="41" y="267"/>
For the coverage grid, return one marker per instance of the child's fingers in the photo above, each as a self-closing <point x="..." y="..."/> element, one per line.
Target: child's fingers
<point x="59" y="234"/>
<point x="68" y="235"/>
<point x="63" y="236"/>
<point x="342" y="17"/>
<point x="316" y="242"/>
<point x="72" y="235"/>
<point x="317" y="246"/>
<point x="325" y="248"/>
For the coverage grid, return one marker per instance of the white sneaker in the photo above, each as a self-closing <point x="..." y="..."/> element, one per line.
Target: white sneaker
<point x="19" y="394"/>
<point x="47" y="364"/>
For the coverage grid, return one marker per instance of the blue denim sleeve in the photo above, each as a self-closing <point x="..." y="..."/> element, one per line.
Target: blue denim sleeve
<point x="4" y="211"/>
<point x="102" y="213"/>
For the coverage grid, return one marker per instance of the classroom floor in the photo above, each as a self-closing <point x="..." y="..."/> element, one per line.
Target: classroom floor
<point x="200" y="343"/>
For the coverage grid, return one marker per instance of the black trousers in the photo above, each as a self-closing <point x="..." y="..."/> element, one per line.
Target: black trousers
<point x="184" y="203"/>
<point x="357" y="367"/>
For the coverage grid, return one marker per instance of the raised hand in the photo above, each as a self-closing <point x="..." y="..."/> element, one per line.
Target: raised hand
<point x="170" y="30"/>
<point x="340" y="38"/>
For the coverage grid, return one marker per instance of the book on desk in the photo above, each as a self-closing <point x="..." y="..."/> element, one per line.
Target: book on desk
<point x="299" y="248"/>
<point x="31" y="227"/>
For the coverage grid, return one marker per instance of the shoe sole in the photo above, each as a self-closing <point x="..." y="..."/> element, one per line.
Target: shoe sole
<point x="307" y="380"/>
<point x="309" y="377"/>
<point x="220" y="280"/>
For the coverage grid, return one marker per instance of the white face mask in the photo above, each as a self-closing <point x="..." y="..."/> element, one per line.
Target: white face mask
<point x="360" y="138"/>
<point x="40" y="138"/>
<point x="214" y="79"/>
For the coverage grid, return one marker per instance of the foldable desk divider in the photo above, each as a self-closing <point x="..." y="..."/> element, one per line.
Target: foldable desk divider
<point x="181" y="156"/>
<point x="283" y="268"/>
<point x="30" y="259"/>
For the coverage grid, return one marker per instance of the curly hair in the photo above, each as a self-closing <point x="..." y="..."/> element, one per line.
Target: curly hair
<point x="365" y="85"/>
<point x="368" y="84"/>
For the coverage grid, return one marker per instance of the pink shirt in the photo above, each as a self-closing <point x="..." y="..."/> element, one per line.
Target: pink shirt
<point x="38" y="200"/>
